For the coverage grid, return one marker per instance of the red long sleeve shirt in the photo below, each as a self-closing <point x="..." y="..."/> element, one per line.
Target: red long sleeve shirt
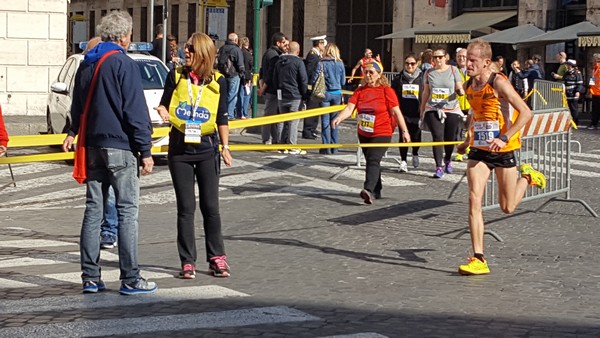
<point x="3" y="133"/>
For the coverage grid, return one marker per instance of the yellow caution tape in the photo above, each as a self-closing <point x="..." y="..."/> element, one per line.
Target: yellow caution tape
<point x="538" y="93"/>
<point x="263" y="120"/>
<point x="275" y="147"/>
<point x="36" y="140"/>
<point x="57" y="139"/>
<point x="61" y="156"/>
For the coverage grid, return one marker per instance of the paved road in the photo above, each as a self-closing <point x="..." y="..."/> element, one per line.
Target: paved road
<point x="308" y="258"/>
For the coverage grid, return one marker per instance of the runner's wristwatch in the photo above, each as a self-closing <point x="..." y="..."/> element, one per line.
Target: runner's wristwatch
<point x="503" y="138"/>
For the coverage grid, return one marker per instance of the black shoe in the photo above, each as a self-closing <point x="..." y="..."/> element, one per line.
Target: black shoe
<point x="310" y="137"/>
<point x="314" y="134"/>
<point x="377" y="195"/>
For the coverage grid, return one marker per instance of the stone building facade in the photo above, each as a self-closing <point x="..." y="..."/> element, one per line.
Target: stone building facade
<point x="30" y="26"/>
<point x="33" y="47"/>
<point x="352" y="24"/>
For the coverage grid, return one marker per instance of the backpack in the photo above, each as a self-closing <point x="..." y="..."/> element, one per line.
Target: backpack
<point x="225" y="64"/>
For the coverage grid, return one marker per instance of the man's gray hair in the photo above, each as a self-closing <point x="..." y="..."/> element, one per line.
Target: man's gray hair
<point x="115" y="25"/>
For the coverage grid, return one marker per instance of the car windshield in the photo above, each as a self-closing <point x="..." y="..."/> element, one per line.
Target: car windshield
<point x="153" y="74"/>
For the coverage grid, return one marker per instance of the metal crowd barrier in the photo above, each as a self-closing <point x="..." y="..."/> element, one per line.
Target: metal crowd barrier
<point x="548" y="95"/>
<point x="389" y="76"/>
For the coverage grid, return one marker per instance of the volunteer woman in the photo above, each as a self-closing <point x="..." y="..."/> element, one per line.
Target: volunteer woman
<point x="194" y="150"/>
<point x="378" y="114"/>
<point x="407" y="86"/>
<point x="440" y="110"/>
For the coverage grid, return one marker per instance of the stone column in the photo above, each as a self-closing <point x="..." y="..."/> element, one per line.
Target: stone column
<point x="319" y="19"/>
<point x="287" y="17"/>
<point x="239" y="23"/>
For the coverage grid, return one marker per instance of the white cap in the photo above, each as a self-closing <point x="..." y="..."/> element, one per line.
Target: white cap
<point x="318" y="38"/>
<point x="572" y="62"/>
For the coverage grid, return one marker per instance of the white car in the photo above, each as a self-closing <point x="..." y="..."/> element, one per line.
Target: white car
<point x="153" y="76"/>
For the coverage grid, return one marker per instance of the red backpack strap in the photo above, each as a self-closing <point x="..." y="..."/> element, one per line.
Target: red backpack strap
<point x="80" y="164"/>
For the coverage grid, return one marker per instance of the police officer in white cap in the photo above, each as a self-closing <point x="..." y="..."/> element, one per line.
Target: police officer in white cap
<point x="312" y="60"/>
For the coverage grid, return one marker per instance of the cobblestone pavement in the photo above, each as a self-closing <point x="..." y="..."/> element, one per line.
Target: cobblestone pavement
<point x="308" y="258"/>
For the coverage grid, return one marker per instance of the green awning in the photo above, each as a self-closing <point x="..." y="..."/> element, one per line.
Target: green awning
<point x="589" y="38"/>
<point x="567" y="33"/>
<point x="513" y="35"/>
<point x="459" y="29"/>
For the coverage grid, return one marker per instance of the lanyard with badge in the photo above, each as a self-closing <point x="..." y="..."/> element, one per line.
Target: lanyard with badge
<point x="193" y="129"/>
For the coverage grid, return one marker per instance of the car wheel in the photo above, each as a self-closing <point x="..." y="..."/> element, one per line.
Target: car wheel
<point x="67" y="126"/>
<point x="50" y="130"/>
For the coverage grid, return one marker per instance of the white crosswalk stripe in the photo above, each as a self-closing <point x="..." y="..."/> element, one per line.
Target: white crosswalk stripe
<point x="109" y="299"/>
<point x="129" y="326"/>
<point x="268" y="315"/>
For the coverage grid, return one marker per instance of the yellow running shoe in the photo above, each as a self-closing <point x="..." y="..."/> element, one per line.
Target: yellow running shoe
<point x="534" y="177"/>
<point x="474" y="267"/>
<point x="458" y="157"/>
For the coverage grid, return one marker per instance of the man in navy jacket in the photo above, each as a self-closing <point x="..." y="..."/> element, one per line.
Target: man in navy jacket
<point x="291" y="81"/>
<point x="118" y="132"/>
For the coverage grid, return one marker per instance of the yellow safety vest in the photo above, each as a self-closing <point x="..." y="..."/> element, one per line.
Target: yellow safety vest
<point x="181" y="104"/>
<point x="462" y="100"/>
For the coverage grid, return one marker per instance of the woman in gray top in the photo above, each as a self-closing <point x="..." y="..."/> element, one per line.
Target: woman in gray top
<point x="440" y="110"/>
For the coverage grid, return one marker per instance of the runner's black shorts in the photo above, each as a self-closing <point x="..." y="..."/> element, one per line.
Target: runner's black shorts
<point x="494" y="159"/>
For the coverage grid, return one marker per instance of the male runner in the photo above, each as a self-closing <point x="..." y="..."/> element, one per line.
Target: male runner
<point x="498" y="114"/>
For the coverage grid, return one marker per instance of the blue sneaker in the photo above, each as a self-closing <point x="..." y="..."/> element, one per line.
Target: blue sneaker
<point x="138" y="286"/>
<point x="439" y="173"/>
<point x="93" y="287"/>
<point x="108" y="242"/>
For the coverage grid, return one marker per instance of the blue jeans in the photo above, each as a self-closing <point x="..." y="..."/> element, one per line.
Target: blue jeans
<point x="243" y="101"/>
<point x="116" y="168"/>
<point x="110" y="222"/>
<point x="233" y="87"/>
<point x="329" y="135"/>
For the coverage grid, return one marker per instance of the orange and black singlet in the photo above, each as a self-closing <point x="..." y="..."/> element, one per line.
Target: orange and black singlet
<point x="492" y="117"/>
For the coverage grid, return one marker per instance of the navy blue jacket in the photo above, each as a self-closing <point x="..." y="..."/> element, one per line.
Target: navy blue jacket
<point x="118" y="116"/>
<point x="290" y="77"/>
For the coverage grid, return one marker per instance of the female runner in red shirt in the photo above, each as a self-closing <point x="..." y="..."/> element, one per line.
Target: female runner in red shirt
<point x="378" y="113"/>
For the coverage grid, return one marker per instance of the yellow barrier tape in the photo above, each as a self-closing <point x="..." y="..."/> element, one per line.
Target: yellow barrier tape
<point x="274" y="147"/>
<point x="61" y="156"/>
<point x="259" y="121"/>
<point x="57" y="139"/>
<point x="538" y="93"/>
<point x="36" y="140"/>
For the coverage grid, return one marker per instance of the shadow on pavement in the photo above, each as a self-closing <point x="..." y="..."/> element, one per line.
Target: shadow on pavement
<point x="405" y="255"/>
<point x="391" y="212"/>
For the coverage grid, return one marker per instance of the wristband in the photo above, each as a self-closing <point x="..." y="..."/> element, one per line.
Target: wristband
<point x="226" y="146"/>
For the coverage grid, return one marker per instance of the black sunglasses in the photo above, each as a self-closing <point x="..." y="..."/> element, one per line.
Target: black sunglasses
<point x="189" y="47"/>
<point x="410" y="63"/>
